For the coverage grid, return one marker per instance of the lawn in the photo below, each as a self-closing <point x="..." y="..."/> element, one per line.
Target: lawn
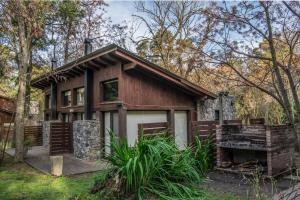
<point x="20" y="181"/>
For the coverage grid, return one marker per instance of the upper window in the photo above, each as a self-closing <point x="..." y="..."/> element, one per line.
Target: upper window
<point x="110" y="90"/>
<point x="67" y="98"/>
<point x="80" y="96"/>
<point x="217" y="115"/>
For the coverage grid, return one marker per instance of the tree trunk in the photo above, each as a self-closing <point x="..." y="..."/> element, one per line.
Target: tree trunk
<point x="294" y="94"/>
<point x="67" y="40"/>
<point x="24" y="66"/>
<point x="281" y="86"/>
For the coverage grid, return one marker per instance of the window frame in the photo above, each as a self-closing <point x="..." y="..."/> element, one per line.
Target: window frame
<point x="76" y="96"/>
<point x="63" y="98"/>
<point x="102" y="90"/>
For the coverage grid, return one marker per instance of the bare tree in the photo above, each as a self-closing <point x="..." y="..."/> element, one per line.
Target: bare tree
<point x="177" y="33"/>
<point x="243" y="26"/>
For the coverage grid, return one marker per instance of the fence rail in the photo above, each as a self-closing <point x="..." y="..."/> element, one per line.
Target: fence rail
<point x="153" y="128"/>
<point x="61" y="139"/>
<point x="35" y="134"/>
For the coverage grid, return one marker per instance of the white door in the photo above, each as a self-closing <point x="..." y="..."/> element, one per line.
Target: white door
<point x="111" y="123"/>
<point x="181" y="129"/>
<point x="139" y="117"/>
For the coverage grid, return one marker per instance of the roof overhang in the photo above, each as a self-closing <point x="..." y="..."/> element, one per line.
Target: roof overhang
<point x="111" y="55"/>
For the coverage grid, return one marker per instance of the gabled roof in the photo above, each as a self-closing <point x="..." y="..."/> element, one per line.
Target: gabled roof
<point x="110" y="55"/>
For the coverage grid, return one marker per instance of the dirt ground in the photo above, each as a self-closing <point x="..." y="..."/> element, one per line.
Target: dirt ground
<point x="246" y="187"/>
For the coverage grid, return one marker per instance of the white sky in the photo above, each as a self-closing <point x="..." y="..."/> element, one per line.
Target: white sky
<point x="121" y="11"/>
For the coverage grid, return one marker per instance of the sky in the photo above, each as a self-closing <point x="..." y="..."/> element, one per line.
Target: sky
<point x="120" y="11"/>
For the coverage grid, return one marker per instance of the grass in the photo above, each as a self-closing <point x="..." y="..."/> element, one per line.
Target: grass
<point x="20" y="181"/>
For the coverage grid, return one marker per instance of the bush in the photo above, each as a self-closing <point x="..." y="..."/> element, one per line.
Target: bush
<point x="154" y="166"/>
<point x="203" y="154"/>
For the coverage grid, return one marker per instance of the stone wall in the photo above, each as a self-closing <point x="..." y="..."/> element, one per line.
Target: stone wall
<point x="207" y="109"/>
<point x="46" y="133"/>
<point x="87" y="139"/>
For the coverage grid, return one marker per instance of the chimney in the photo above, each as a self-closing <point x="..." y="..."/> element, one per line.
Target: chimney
<point x="87" y="46"/>
<point x="53" y="63"/>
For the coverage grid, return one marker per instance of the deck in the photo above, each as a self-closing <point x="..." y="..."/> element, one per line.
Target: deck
<point x="38" y="158"/>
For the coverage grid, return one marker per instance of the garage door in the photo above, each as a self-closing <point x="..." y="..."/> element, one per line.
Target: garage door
<point x="138" y="117"/>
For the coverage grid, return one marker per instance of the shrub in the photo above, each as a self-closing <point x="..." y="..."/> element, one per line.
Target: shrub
<point x="153" y="166"/>
<point x="203" y="154"/>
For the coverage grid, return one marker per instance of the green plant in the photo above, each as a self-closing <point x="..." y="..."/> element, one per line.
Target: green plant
<point x="153" y="166"/>
<point x="202" y="153"/>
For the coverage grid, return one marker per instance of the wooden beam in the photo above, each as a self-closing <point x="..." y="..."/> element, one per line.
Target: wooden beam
<point x="189" y="127"/>
<point x="92" y="66"/>
<point x="129" y="66"/>
<point x="107" y="60"/>
<point x="122" y="122"/>
<point x="53" y="101"/>
<point x="88" y="84"/>
<point x="112" y="58"/>
<point x="171" y="121"/>
<point x="99" y="62"/>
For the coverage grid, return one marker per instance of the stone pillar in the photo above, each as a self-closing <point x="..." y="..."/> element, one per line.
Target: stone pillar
<point x="46" y="133"/>
<point x="87" y="139"/>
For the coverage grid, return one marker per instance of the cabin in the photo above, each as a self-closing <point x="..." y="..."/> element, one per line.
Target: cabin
<point x="7" y="108"/>
<point x="114" y="89"/>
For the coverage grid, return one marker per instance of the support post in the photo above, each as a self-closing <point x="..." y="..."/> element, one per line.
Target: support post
<point x="53" y="99"/>
<point x="88" y="83"/>
<point x="122" y="122"/>
<point x="189" y="126"/>
<point x="171" y="121"/>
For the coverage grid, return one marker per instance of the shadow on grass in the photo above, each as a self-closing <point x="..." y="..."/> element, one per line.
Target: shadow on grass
<point x="20" y="181"/>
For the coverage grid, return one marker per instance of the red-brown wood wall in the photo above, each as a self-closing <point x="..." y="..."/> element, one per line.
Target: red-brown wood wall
<point x="137" y="90"/>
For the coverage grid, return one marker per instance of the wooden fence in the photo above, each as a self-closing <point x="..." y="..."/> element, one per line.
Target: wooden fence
<point x="35" y="134"/>
<point x="151" y="129"/>
<point x="61" y="138"/>
<point x="204" y="129"/>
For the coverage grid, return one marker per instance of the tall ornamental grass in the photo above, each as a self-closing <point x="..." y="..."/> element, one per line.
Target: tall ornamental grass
<point x="156" y="167"/>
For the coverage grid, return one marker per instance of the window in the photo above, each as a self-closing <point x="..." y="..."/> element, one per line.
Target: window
<point x="65" y="117"/>
<point x="79" y="116"/>
<point x="110" y="90"/>
<point x="67" y="98"/>
<point x="217" y="115"/>
<point x="94" y="116"/>
<point x="79" y="96"/>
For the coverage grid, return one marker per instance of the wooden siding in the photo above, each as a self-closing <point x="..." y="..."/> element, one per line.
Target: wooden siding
<point x="137" y="91"/>
<point x="104" y="74"/>
<point x="142" y="90"/>
<point x="5" y="117"/>
<point x="7" y="107"/>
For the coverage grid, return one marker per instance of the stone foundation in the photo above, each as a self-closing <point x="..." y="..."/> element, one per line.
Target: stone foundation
<point x="87" y="139"/>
